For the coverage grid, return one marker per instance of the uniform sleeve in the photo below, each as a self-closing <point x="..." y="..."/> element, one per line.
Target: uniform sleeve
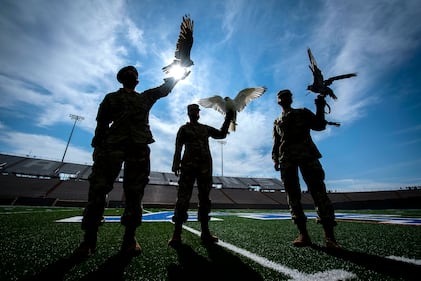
<point x="179" y="142"/>
<point x="276" y="143"/>
<point x="318" y="122"/>
<point x="216" y="134"/>
<point x="163" y="90"/>
<point x="103" y="120"/>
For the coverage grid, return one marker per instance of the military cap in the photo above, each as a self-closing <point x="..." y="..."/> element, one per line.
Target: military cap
<point x="121" y="72"/>
<point x="282" y="93"/>
<point x="193" y="107"/>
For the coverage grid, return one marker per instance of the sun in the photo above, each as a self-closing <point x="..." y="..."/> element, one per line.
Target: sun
<point x="177" y="72"/>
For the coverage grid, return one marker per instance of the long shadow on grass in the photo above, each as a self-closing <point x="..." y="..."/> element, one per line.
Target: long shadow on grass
<point x="111" y="269"/>
<point x="55" y="270"/>
<point x="220" y="266"/>
<point x="392" y="268"/>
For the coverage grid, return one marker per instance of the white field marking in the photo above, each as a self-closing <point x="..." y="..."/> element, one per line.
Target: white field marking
<point x="407" y="260"/>
<point x="330" y="275"/>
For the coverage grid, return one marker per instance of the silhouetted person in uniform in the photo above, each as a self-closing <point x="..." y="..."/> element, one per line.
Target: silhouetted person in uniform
<point x="294" y="149"/>
<point x="122" y="135"/>
<point x="196" y="164"/>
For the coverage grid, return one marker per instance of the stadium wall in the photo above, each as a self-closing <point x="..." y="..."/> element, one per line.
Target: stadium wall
<point x="17" y="190"/>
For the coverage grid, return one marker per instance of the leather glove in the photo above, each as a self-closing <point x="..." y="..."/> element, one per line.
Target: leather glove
<point x="97" y="142"/>
<point x="229" y="115"/>
<point x="176" y="169"/>
<point x="320" y="101"/>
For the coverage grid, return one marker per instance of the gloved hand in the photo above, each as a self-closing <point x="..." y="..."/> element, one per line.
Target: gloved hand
<point x="176" y="169"/>
<point x="97" y="142"/>
<point x="229" y="115"/>
<point x="186" y="73"/>
<point x="277" y="166"/>
<point x="320" y="102"/>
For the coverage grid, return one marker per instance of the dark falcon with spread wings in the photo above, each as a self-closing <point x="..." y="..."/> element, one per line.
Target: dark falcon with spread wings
<point x="321" y="86"/>
<point x="184" y="45"/>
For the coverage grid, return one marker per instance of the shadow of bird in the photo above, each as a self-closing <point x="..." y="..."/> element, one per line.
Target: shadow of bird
<point x="183" y="47"/>
<point x="321" y="86"/>
<point x="226" y="104"/>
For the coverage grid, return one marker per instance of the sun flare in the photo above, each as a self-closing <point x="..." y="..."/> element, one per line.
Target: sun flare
<point x="177" y="72"/>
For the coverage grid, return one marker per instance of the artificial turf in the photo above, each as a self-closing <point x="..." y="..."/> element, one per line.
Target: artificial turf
<point x="33" y="246"/>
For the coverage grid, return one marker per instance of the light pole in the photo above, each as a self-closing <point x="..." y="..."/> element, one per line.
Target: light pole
<point x="222" y="156"/>
<point x="76" y="118"/>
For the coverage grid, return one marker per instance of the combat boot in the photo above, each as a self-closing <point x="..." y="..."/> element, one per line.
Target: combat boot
<point x="175" y="240"/>
<point x="330" y="237"/>
<point x="206" y="237"/>
<point x="303" y="239"/>
<point x="130" y="246"/>
<point x="87" y="247"/>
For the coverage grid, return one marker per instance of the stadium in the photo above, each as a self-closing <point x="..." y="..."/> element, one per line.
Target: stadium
<point x="42" y="202"/>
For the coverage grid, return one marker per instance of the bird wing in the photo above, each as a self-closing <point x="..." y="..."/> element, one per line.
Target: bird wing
<point x="216" y="102"/>
<point x="184" y="44"/>
<point x="317" y="74"/>
<point x="313" y="63"/>
<point x="338" y="77"/>
<point x="246" y="95"/>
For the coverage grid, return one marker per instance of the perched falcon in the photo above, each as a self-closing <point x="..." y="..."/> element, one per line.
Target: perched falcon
<point x="184" y="45"/>
<point x="223" y="105"/>
<point x="321" y="86"/>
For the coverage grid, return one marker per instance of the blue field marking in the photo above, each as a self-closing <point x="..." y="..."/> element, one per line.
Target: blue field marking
<point x="166" y="216"/>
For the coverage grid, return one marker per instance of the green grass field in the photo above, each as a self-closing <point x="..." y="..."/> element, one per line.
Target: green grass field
<point x="33" y="246"/>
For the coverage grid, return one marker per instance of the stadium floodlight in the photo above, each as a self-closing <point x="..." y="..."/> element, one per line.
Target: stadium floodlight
<point x="76" y="118"/>
<point x="222" y="142"/>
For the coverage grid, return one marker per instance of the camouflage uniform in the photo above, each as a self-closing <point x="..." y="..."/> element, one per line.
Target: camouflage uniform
<point x="294" y="149"/>
<point x="124" y="141"/>
<point x="196" y="164"/>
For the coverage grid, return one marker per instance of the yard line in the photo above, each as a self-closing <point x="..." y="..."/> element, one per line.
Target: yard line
<point x="296" y="275"/>
<point x="407" y="260"/>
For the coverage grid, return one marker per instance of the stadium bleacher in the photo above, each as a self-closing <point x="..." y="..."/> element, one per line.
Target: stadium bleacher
<point x="30" y="181"/>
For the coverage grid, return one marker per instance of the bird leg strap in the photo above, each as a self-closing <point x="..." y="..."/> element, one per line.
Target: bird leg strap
<point x="336" y="124"/>
<point x="329" y="109"/>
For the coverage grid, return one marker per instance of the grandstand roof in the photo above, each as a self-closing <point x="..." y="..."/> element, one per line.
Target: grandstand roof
<point x="12" y="164"/>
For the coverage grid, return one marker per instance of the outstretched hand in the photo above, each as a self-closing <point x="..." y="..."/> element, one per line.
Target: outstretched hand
<point x="186" y="73"/>
<point x="320" y="101"/>
<point x="230" y="114"/>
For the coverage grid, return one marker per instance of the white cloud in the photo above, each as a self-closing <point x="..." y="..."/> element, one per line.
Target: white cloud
<point x="35" y="145"/>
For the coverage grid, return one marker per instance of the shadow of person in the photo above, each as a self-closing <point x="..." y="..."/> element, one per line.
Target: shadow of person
<point x="56" y="270"/>
<point x="221" y="265"/>
<point x="112" y="269"/>
<point x="382" y="265"/>
<point x="231" y="266"/>
<point x="191" y="266"/>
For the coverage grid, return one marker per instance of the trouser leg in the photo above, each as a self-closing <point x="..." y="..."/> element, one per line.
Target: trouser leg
<point x="204" y="184"/>
<point x="204" y="208"/>
<point x="136" y="177"/>
<point x="313" y="175"/>
<point x="290" y="180"/>
<point x="185" y="189"/>
<point x="184" y="193"/>
<point x="106" y="167"/>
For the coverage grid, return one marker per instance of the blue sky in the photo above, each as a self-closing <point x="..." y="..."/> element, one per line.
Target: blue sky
<point x="60" y="58"/>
